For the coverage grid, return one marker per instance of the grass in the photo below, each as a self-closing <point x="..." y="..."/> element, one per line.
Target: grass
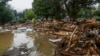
<point x="5" y="41"/>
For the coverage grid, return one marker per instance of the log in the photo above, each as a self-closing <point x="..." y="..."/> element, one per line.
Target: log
<point x="93" y="51"/>
<point x="71" y="36"/>
<point x="88" y="53"/>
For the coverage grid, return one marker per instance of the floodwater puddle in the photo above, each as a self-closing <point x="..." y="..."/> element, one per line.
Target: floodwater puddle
<point x="24" y="45"/>
<point x="43" y="45"/>
<point x="5" y="41"/>
<point x="21" y="44"/>
<point x="20" y="39"/>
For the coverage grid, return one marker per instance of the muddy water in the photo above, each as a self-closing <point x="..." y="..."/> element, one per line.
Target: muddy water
<point x="43" y="46"/>
<point x="5" y="41"/>
<point x="22" y="45"/>
<point x="20" y="39"/>
<point x="38" y="43"/>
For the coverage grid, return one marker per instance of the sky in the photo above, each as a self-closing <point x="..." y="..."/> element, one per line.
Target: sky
<point x="21" y="5"/>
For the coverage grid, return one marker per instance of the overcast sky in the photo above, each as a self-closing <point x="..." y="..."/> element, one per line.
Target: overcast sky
<point x="21" y="5"/>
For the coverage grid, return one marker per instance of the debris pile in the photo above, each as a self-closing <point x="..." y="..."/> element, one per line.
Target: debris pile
<point x="78" y="38"/>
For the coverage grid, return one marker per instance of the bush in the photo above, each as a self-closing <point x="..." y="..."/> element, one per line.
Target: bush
<point x="98" y="18"/>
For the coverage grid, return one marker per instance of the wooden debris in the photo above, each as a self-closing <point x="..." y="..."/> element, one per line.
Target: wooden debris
<point x="78" y="38"/>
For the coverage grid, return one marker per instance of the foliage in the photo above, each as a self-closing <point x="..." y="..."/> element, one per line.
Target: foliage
<point x="29" y="14"/>
<point x="98" y="18"/>
<point x="41" y="8"/>
<point x="48" y="9"/>
<point x="80" y="14"/>
<point x="15" y="15"/>
<point x="57" y="8"/>
<point x="20" y="15"/>
<point x="21" y="20"/>
<point x="97" y="13"/>
<point x="73" y="7"/>
<point x="57" y="11"/>
<point x="6" y="13"/>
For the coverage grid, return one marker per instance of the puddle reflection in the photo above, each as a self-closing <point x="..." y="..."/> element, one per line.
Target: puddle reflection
<point x="22" y="38"/>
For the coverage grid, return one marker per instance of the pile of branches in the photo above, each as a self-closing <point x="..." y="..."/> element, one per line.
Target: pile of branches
<point x="78" y="38"/>
<point x="83" y="40"/>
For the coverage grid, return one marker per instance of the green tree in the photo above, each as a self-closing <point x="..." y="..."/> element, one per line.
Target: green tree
<point x="73" y="7"/>
<point x="48" y="9"/>
<point x="6" y="14"/>
<point x="57" y="8"/>
<point x="29" y="14"/>
<point x="97" y="14"/>
<point x="41" y="8"/>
